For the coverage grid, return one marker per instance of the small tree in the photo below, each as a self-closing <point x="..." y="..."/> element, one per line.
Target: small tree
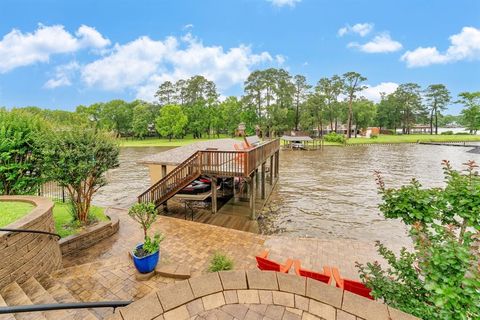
<point x="171" y="121"/>
<point x="77" y="159"/>
<point x="142" y="117"/>
<point x="440" y="279"/>
<point x="20" y="159"/>
<point x="146" y="214"/>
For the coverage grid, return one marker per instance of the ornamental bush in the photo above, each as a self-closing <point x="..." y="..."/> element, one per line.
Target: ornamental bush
<point x="335" y="137"/>
<point x="20" y="158"/>
<point x="439" y="279"/>
<point x="78" y="159"/>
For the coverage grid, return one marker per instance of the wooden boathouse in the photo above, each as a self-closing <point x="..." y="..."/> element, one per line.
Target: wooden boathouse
<point x="249" y="161"/>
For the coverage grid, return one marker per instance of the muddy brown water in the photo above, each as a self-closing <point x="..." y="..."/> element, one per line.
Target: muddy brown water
<point x="328" y="193"/>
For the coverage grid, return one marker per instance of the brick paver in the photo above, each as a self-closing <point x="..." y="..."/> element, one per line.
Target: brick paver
<point x="105" y="271"/>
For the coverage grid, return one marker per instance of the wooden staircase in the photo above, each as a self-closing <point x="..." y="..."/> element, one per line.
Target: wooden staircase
<point x="173" y="182"/>
<point x="238" y="163"/>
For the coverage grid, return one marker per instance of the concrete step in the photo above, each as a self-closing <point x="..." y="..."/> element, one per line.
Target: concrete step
<point x="5" y="316"/>
<point x="38" y="295"/>
<point x="62" y="295"/>
<point x="14" y="296"/>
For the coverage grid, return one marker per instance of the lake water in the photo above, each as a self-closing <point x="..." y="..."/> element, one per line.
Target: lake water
<point x="328" y="193"/>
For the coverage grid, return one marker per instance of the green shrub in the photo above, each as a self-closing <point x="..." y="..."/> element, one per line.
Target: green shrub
<point x="220" y="262"/>
<point x="335" y="137"/>
<point x="447" y="133"/>
<point x="152" y="245"/>
<point x="374" y="136"/>
<point x="462" y="133"/>
<point x="440" y="278"/>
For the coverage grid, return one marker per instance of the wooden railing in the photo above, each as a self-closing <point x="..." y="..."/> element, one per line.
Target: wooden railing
<point x="174" y="181"/>
<point x="239" y="163"/>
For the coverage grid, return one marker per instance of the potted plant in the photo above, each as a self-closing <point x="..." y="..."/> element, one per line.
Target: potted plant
<point x="146" y="254"/>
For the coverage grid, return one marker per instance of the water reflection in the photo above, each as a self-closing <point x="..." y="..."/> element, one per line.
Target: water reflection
<point x="324" y="194"/>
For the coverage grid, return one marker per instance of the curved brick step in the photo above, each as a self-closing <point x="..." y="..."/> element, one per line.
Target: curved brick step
<point x="14" y="296"/>
<point x="38" y="295"/>
<point x="5" y="316"/>
<point x="62" y="295"/>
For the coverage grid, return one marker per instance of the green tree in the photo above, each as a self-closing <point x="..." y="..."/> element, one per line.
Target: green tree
<point x="437" y="97"/>
<point x="78" y="159"/>
<point x="142" y="118"/>
<point x="313" y="116"/>
<point x="300" y="96"/>
<point x="166" y="93"/>
<point x="230" y="114"/>
<point x="389" y="112"/>
<point x="364" y="112"/>
<point x="352" y="84"/>
<point x="171" y="121"/>
<point x="407" y="95"/>
<point x="20" y="157"/>
<point x="440" y="278"/>
<point x="330" y="89"/>
<point x="471" y="110"/>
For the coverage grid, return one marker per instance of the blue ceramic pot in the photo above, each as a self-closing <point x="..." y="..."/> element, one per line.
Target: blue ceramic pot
<point x="145" y="264"/>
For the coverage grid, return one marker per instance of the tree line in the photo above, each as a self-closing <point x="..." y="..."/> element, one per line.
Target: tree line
<point x="273" y="102"/>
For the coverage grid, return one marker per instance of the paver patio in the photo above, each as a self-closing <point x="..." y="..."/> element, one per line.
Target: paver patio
<point x="105" y="271"/>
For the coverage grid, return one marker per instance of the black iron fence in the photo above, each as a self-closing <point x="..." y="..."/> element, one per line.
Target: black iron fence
<point x="53" y="191"/>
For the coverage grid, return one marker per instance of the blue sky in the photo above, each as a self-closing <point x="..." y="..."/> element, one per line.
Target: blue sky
<point x="59" y="54"/>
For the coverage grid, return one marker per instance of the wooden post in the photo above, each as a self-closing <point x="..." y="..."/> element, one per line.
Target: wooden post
<point x="277" y="162"/>
<point x="164" y="170"/>
<point x="164" y="173"/>
<point x="214" y="195"/>
<point x="271" y="170"/>
<point x="262" y="186"/>
<point x="251" y="187"/>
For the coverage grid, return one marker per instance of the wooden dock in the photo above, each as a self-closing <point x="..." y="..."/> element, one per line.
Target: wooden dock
<point x="450" y="144"/>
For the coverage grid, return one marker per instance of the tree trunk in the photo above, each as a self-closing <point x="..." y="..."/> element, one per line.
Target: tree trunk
<point x="349" y="126"/>
<point x="431" y="122"/>
<point x="436" y="123"/>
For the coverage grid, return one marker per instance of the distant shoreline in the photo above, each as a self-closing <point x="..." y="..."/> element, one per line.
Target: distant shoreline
<point x="382" y="139"/>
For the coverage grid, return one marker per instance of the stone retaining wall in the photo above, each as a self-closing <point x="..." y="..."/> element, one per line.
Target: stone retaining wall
<point x="89" y="236"/>
<point x="226" y="293"/>
<point x="23" y="255"/>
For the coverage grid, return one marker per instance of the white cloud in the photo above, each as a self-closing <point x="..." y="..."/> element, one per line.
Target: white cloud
<point x="188" y="26"/>
<point x="143" y="64"/>
<point x="280" y="59"/>
<point x="379" y="44"/>
<point x="19" y="49"/>
<point x="374" y="92"/>
<point x="283" y="3"/>
<point x="361" y="29"/>
<point x="463" y="46"/>
<point x="90" y="37"/>
<point x="63" y="75"/>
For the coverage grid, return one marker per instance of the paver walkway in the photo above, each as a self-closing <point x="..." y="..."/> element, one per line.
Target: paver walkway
<point x="105" y="271"/>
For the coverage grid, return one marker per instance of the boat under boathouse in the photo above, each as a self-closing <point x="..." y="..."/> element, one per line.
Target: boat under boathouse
<point x="244" y="171"/>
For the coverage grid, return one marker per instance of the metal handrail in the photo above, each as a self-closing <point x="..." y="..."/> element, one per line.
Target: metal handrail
<point x="31" y="231"/>
<point x="64" y="306"/>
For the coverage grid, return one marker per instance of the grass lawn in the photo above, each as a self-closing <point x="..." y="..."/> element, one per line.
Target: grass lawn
<point x="412" y="138"/>
<point x="161" y="142"/>
<point x="64" y="224"/>
<point x="11" y="211"/>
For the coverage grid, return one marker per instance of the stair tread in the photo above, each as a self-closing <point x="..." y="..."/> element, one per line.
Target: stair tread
<point x="38" y="295"/>
<point x="62" y="295"/>
<point x="14" y="296"/>
<point x="5" y="316"/>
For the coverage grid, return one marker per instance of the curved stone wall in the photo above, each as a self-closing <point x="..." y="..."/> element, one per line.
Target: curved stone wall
<point x="256" y="294"/>
<point x="90" y="236"/>
<point x="24" y="255"/>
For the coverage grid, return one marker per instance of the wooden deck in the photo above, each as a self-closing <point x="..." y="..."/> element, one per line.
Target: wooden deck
<point x="233" y="213"/>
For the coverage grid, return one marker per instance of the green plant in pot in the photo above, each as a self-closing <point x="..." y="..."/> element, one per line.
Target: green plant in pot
<point x="146" y="254"/>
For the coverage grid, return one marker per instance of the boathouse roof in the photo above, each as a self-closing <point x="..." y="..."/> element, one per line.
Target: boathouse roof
<point x="175" y="156"/>
<point x="297" y="138"/>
